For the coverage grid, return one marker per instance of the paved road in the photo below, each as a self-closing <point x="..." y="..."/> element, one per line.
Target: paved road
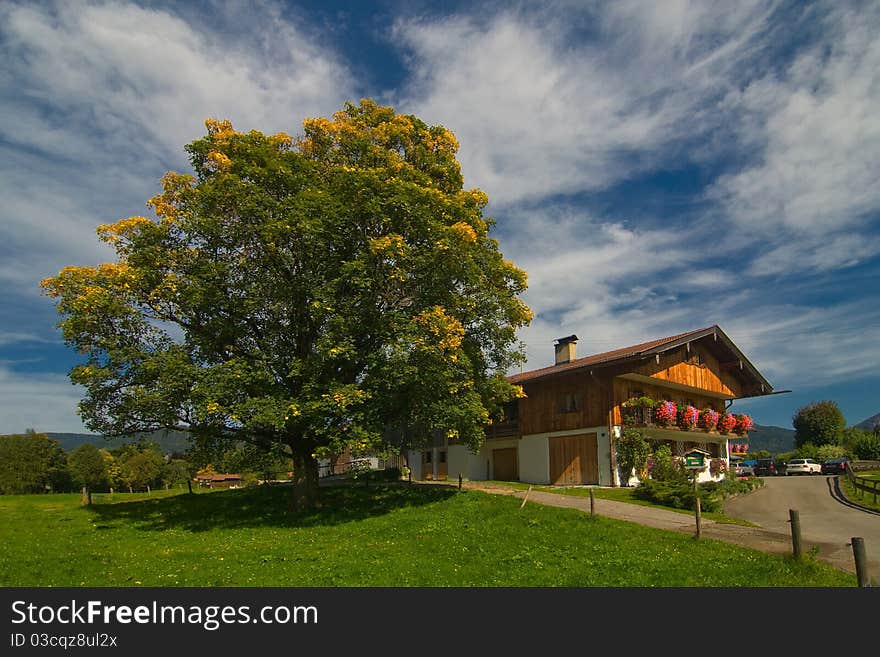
<point x="827" y="521"/>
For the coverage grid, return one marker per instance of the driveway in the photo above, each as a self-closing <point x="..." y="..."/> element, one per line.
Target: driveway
<point x="827" y="520"/>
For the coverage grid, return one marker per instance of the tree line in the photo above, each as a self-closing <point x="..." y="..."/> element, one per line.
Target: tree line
<point x="821" y="433"/>
<point x="34" y="463"/>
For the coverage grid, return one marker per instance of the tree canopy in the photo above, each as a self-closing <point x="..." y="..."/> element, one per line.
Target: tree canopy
<point x="819" y="423"/>
<point x="315" y="293"/>
<point x="31" y="463"/>
<point x="89" y="466"/>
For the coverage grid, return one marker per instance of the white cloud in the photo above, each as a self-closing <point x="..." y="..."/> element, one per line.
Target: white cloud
<point x="539" y="113"/>
<point x="45" y="402"/>
<point x="816" y="134"/>
<point x="99" y="99"/>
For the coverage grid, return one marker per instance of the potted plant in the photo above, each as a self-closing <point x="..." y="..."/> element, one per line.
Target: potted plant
<point x="687" y="417"/>
<point x="636" y="410"/>
<point x="708" y="419"/>
<point x="665" y="413"/>
<point x="743" y="425"/>
<point x="726" y="423"/>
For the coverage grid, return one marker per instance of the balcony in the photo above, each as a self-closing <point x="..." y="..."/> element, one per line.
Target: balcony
<point x="666" y="419"/>
<point x="500" y="430"/>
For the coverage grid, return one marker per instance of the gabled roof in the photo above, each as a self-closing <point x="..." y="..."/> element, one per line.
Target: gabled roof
<point x="640" y="351"/>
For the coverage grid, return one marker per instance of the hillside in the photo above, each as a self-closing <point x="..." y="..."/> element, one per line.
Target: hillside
<point x="870" y="423"/>
<point x="775" y="440"/>
<point x="168" y="441"/>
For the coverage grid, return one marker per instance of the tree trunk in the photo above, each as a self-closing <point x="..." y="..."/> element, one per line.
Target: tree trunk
<point x="305" y="481"/>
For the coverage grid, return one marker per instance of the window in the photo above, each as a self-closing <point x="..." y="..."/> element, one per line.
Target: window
<point x="442" y="457"/>
<point x="427" y="457"/>
<point x="696" y="358"/>
<point x="570" y="403"/>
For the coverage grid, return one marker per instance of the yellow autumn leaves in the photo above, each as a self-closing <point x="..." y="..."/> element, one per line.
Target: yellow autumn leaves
<point x="447" y="331"/>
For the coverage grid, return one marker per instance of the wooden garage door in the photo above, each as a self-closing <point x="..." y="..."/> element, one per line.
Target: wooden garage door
<point x="505" y="464"/>
<point x="574" y="459"/>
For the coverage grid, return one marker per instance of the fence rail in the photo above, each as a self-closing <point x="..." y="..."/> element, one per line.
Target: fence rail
<point x="863" y="484"/>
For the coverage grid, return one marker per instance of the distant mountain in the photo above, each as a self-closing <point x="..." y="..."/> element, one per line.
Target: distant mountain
<point x="870" y="423"/>
<point x="168" y="441"/>
<point x="775" y="440"/>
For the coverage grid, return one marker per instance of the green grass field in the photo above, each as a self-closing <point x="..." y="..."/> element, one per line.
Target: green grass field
<point x="619" y="494"/>
<point x="862" y="497"/>
<point x="376" y="536"/>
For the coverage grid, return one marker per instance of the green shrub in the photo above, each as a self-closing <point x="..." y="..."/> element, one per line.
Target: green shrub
<point x="867" y="447"/>
<point x="632" y="453"/>
<point x="679" y="495"/>
<point x="664" y="468"/>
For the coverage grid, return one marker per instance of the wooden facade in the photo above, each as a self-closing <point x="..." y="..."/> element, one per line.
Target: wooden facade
<point x="699" y="373"/>
<point x="563" y="430"/>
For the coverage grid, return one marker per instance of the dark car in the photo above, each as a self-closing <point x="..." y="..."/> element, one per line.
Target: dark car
<point x="835" y="466"/>
<point x="766" y="468"/>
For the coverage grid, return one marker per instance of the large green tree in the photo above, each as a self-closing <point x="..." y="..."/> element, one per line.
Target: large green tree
<point x="315" y="293"/>
<point x="32" y="463"/>
<point x="819" y="423"/>
<point x="89" y="468"/>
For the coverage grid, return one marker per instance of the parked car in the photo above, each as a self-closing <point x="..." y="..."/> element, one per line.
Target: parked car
<point x="766" y="468"/>
<point x="835" y="466"/>
<point x="803" y="466"/>
<point x="743" y="470"/>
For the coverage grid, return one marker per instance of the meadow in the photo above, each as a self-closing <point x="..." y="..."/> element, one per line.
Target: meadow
<point x="388" y="536"/>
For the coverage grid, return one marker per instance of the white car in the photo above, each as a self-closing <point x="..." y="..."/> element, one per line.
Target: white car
<point x="743" y="470"/>
<point x="803" y="466"/>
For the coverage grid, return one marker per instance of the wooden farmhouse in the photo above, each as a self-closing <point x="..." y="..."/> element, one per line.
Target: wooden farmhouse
<point x="679" y="389"/>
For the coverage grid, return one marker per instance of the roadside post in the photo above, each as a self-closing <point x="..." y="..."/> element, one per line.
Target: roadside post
<point x="795" y="519"/>
<point x="695" y="461"/>
<point x="858" y="548"/>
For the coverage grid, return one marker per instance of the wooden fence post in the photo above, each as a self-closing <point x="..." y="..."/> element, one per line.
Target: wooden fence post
<point x="858" y="547"/>
<point x="592" y="503"/>
<point x="189" y="485"/>
<point x="795" y="520"/>
<point x="85" y="497"/>
<point x="459" y="481"/>
<point x="525" y="497"/>
<point x="699" y="518"/>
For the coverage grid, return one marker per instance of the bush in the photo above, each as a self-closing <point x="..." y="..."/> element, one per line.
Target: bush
<point x="867" y="447"/>
<point x="831" y="452"/>
<point x="664" y="468"/>
<point x="679" y="495"/>
<point x="389" y="474"/>
<point x="632" y="453"/>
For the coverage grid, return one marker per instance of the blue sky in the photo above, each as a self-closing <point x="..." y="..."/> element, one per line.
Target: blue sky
<point x="656" y="167"/>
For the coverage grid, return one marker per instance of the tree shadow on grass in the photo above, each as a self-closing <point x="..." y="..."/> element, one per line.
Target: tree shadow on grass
<point x="265" y="506"/>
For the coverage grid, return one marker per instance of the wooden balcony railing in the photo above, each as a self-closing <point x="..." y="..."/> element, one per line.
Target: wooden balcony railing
<point x="509" y="429"/>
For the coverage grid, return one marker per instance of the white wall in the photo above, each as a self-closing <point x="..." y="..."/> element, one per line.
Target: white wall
<point x="414" y="461"/>
<point x="462" y="461"/>
<point x="534" y="455"/>
<point x="534" y="459"/>
<point x="604" y="448"/>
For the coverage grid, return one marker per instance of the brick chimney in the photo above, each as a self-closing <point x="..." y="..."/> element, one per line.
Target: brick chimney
<point x="566" y="349"/>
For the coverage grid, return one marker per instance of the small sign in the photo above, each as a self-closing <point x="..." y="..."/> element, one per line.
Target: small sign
<point x="695" y="460"/>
